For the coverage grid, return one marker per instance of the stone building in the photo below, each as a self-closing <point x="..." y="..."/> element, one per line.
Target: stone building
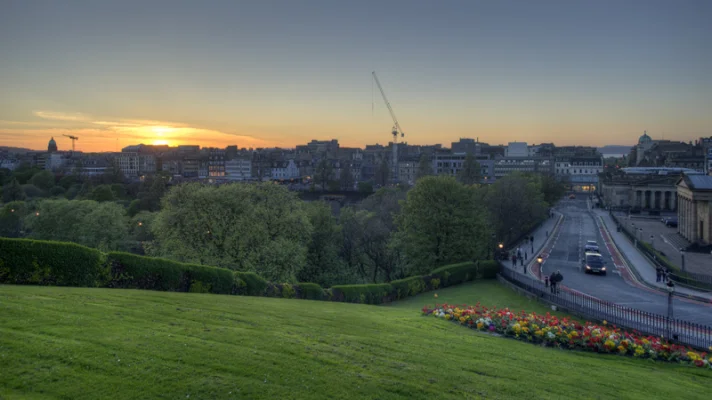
<point x="641" y="188"/>
<point x="694" y="192"/>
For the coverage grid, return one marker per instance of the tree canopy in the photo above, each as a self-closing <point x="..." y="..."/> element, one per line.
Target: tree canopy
<point x="262" y="228"/>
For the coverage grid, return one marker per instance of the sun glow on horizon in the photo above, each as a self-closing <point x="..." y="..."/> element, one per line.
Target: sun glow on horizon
<point x="160" y="142"/>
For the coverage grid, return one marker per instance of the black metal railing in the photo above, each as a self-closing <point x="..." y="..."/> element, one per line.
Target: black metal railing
<point x="679" y="331"/>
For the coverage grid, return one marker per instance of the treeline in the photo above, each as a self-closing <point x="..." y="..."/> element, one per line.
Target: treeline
<point x="264" y="228"/>
<point x="32" y="184"/>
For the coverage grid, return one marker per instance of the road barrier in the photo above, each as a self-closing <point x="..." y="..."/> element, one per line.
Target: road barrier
<point x="682" y="332"/>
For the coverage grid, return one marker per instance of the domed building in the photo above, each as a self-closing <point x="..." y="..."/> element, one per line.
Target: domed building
<point x="644" y="138"/>
<point x="52" y="146"/>
<point x="645" y="142"/>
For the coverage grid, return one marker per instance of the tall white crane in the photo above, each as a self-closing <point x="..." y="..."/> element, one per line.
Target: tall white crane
<point x="395" y="131"/>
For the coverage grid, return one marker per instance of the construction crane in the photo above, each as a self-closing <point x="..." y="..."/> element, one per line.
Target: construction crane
<point x="74" y="138"/>
<point x="395" y="131"/>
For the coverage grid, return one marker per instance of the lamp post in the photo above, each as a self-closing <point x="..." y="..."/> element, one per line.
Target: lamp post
<point x="540" y="259"/>
<point x="491" y="245"/>
<point x="500" y="246"/>
<point x="671" y="292"/>
<point x="652" y="241"/>
<point x="682" y="256"/>
<point x="635" y="237"/>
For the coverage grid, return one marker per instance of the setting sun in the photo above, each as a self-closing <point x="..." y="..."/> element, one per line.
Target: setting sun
<point x="160" y="142"/>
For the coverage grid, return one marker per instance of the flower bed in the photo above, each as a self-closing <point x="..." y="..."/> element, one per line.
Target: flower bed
<point x="564" y="333"/>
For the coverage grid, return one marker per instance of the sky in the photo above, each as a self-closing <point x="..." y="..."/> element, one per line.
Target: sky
<point x="280" y="73"/>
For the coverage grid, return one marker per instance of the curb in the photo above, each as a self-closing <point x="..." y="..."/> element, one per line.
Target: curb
<point x="554" y="235"/>
<point x="639" y="278"/>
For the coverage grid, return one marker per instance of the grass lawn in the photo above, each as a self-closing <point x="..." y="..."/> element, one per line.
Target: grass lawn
<point x="101" y="343"/>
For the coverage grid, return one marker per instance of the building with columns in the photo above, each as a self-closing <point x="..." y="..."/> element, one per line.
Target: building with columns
<point x="641" y="188"/>
<point x="694" y="215"/>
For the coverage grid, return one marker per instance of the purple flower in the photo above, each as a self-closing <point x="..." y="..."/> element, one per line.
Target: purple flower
<point x="492" y="328"/>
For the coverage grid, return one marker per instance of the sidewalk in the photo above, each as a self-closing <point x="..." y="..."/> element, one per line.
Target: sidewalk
<point x="540" y="240"/>
<point x="641" y="266"/>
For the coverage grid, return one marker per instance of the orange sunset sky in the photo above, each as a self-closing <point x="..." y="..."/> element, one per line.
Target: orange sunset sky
<point x="254" y="74"/>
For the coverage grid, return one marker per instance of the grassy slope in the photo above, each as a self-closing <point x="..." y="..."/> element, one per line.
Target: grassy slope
<point x="100" y="343"/>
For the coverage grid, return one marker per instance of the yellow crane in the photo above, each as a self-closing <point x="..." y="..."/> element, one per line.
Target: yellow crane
<point x="74" y="138"/>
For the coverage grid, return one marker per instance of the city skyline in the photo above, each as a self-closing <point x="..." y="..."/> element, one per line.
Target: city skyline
<point x="277" y="74"/>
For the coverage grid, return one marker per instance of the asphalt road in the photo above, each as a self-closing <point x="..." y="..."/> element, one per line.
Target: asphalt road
<point x="578" y="227"/>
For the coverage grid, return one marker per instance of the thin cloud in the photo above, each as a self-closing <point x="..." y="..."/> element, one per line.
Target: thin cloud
<point x="61" y="116"/>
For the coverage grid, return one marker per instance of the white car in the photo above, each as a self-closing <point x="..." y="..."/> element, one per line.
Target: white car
<point x="591" y="246"/>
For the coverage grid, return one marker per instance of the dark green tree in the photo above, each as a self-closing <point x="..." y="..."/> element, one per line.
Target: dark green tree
<point x="323" y="264"/>
<point x="43" y="180"/>
<point x="346" y="179"/>
<point x="102" y="193"/>
<point x="323" y="173"/>
<point x="470" y="173"/>
<point x="13" y="192"/>
<point x="441" y="224"/>
<point x="425" y="167"/>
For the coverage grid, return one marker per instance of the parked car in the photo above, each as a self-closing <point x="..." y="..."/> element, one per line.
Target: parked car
<point x="591" y="246"/>
<point x="672" y="222"/>
<point x="572" y="196"/>
<point x="593" y="263"/>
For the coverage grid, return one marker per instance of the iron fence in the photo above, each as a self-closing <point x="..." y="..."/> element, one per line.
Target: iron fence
<point x="682" y="332"/>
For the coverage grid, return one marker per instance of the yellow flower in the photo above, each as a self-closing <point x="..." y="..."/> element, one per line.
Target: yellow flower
<point x="639" y="352"/>
<point x="605" y="322"/>
<point x="621" y="349"/>
<point x="462" y="320"/>
<point x="645" y="341"/>
<point x="448" y="316"/>
<point x="693" y="356"/>
<point x="480" y="325"/>
<point x="525" y="329"/>
<point x="539" y="333"/>
<point x="436" y="295"/>
<point x="535" y="327"/>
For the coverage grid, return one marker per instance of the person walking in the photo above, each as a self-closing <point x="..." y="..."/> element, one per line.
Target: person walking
<point x="546" y="280"/>
<point x="558" y="277"/>
<point x="658" y="274"/>
<point x="552" y="282"/>
<point x="514" y="260"/>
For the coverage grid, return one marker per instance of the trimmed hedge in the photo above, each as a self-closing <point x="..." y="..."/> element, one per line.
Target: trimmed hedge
<point x="130" y="271"/>
<point x="412" y="286"/>
<point x="310" y="291"/>
<point x="255" y="285"/>
<point x="377" y="293"/>
<point x="36" y="262"/>
<point x="25" y="261"/>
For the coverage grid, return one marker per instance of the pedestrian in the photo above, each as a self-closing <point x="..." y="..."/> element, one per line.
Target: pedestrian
<point x="546" y="280"/>
<point x="521" y="261"/>
<point x="658" y="274"/>
<point x="558" y="277"/>
<point x="514" y="260"/>
<point x="525" y="255"/>
<point x="552" y="282"/>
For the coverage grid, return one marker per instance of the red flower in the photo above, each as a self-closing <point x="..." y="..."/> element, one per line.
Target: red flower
<point x="699" y="363"/>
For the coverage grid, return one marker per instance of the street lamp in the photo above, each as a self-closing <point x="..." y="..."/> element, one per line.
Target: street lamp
<point x="671" y="292"/>
<point x="493" y="236"/>
<point x="540" y="259"/>
<point x="682" y="255"/>
<point x="652" y="241"/>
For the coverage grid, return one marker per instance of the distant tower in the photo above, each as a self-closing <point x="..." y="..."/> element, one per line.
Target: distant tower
<point x="52" y="146"/>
